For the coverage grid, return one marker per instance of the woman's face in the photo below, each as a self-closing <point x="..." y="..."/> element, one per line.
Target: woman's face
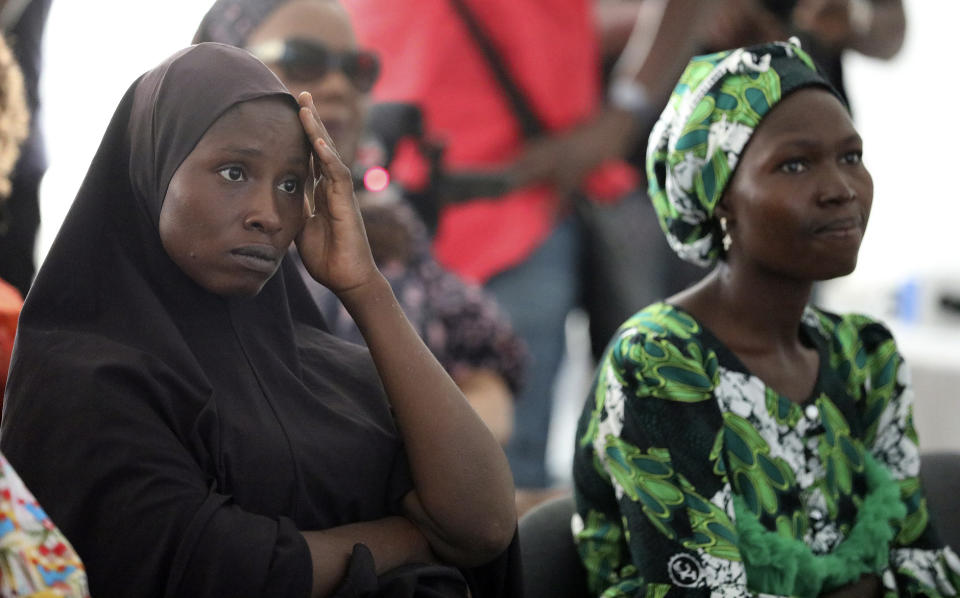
<point x="236" y="202"/>
<point x="341" y="105"/>
<point x="799" y="201"/>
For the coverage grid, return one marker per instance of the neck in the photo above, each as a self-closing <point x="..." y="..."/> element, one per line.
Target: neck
<point x="750" y="309"/>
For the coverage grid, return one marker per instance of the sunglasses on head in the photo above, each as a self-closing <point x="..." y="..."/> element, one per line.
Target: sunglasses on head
<point x="306" y="60"/>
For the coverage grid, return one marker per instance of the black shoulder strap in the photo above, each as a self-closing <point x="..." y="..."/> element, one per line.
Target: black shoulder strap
<point x="530" y="123"/>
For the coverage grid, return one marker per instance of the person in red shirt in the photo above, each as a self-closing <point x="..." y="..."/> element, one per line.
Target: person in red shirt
<point x="524" y="246"/>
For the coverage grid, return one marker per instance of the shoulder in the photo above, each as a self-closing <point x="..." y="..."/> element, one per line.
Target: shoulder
<point x="65" y="372"/>
<point x="68" y="384"/>
<point x="71" y="353"/>
<point x="861" y="350"/>
<point x="661" y="352"/>
<point x="659" y="321"/>
<point x="851" y="335"/>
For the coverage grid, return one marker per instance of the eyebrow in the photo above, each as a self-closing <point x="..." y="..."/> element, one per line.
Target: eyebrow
<point x="808" y="143"/>
<point x="256" y="152"/>
<point x="242" y="151"/>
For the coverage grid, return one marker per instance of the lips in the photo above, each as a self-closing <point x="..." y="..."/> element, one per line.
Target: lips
<point x="840" y="227"/>
<point x="259" y="258"/>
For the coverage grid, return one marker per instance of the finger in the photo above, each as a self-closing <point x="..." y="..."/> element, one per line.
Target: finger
<point x="319" y="140"/>
<point x="312" y="124"/>
<point x="320" y="185"/>
<point x="311" y="118"/>
<point x="309" y="202"/>
<point x="310" y="129"/>
<point x="332" y="169"/>
<point x="322" y="210"/>
<point x="334" y="187"/>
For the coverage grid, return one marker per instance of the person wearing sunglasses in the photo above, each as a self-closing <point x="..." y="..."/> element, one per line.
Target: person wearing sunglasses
<point x="341" y="78"/>
<point x="310" y="46"/>
<point x="302" y="60"/>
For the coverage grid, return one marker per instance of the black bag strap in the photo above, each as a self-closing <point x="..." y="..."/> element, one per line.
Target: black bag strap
<point x="530" y="123"/>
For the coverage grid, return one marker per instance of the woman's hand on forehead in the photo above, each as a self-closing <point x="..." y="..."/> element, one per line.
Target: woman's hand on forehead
<point x="333" y="243"/>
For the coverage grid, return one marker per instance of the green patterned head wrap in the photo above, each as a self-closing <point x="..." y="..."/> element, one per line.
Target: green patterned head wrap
<point x="695" y="146"/>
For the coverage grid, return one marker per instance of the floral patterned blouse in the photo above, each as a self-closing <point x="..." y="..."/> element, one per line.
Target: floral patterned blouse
<point x="35" y="559"/>
<point x="677" y="427"/>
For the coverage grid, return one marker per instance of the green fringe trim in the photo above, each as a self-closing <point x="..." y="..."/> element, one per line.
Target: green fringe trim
<point x="786" y="566"/>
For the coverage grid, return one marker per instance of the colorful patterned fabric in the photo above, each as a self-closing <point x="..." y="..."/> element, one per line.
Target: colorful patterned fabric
<point x="695" y="146"/>
<point x="35" y="559"/>
<point x="677" y="428"/>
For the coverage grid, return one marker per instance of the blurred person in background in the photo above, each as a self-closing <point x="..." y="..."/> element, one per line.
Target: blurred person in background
<point x="310" y="45"/>
<point x="525" y="246"/>
<point x="827" y="28"/>
<point x="23" y="22"/>
<point x="831" y="28"/>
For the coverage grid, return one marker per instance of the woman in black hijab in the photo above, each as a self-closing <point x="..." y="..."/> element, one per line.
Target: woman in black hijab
<point x="175" y="401"/>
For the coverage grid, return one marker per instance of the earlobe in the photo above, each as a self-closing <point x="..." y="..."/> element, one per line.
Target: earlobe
<point x="725" y="223"/>
<point x="721" y="211"/>
<point x="726" y="240"/>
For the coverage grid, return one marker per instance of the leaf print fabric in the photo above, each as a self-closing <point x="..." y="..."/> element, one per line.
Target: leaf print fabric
<point x="677" y="427"/>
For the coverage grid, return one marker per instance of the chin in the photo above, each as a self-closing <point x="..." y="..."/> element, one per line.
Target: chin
<point x="830" y="271"/>
<point x="244" y="293"/>
<point x="814" y="268"/>
<point x="235" y="288"/>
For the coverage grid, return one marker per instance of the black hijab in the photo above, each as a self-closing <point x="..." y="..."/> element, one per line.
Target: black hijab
<point x="178" y="438"/>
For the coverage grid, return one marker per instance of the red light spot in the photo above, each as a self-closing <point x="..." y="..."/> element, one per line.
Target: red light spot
<point x="376" y="179"/>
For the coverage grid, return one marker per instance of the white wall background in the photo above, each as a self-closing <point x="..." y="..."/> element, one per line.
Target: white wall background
<point x="906" y="117"/>
<point x="96" y="48"/>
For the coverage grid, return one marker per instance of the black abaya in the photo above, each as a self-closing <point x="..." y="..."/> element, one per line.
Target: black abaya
<point x="178" y="438"/>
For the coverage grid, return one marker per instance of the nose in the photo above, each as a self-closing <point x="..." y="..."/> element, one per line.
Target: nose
<point x="333" y="86"/>
<point x="263" y="215"/>
<point x="837" y="186"/>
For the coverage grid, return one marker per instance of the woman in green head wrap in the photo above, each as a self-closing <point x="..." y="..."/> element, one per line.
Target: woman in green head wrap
<point x="738" y="440"/>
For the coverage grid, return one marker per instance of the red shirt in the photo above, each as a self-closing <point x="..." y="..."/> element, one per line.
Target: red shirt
<point x="10" y="304"/>
<point x="430" y="59"/>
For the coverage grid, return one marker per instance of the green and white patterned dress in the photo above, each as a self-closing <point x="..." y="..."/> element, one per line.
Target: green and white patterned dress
<point x="676" y="427"/>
